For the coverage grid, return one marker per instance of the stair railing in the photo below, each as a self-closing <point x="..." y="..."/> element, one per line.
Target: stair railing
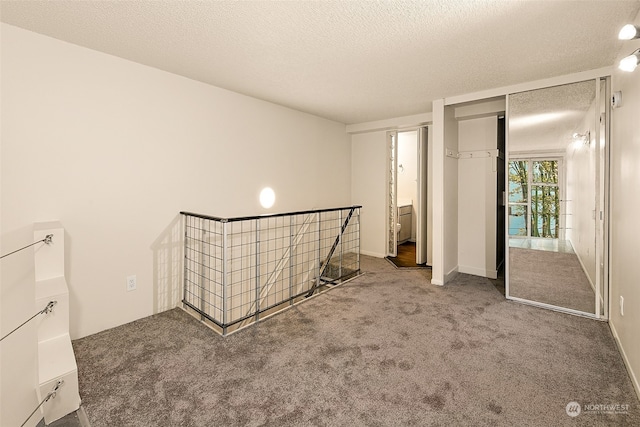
<point x="239" y="270"/>
<point x="46" y="310"/>
<point x="47" y="240"/>
<point x="284" y="260"/>
<point x="331" y="251"/>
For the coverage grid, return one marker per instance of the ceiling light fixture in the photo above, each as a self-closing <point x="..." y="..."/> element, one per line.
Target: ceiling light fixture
<point x="630" y="62"/>
<point x="582" y="138"/>
<point x="524" y="121"/>
<point x="629" y="32"/>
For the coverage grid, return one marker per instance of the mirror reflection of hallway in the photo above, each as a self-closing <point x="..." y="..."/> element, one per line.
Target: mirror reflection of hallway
<point x="548" y="271"/>
<point x="555" y="197"/>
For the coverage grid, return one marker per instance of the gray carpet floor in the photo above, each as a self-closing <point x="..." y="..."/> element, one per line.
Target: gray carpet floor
<point x="550" y="277"/>
<point x="386" y="349"/>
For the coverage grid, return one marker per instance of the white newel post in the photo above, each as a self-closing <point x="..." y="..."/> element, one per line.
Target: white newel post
<point x="56" y="360"/>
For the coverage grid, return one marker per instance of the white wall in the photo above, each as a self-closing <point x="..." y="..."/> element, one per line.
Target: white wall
<point x="369" y="179"/>
<point x="18" y="362"/>
<point x="408" y="178"/>
<point x="581" y="192"/>
<point x="625" y="205"/>
<point x="369" y="189"/>
<point x="477" y="183"/>
<point x="114" y="150"/>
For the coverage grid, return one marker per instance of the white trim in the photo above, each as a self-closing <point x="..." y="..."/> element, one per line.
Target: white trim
<point x="515" y="155"/>
<point x="505" y="199"/>
<point x="584" y="269"/>
<point x="475" y="271"/>
<point x="598" y="209"/>
<point x="484" y="109"/>
<point x="437" y="167"/>
<point x="395" y="123"/>
<point x="451" y="274"/>
<point x="555" y="308"/>
<point x="627" y="364"/>
<point x="522" y="87"/>
<point x="373" y="254"/>
<point x="606" y="295"/>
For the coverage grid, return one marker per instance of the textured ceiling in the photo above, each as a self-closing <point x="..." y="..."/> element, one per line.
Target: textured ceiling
<point x="546" y="119"/>
<point x="350" y="61"/>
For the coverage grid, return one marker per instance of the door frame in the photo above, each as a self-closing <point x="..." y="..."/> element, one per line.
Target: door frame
<point x="392" y="194"/>
<point x="422" y="204"/>
<point x="422" y="237"/>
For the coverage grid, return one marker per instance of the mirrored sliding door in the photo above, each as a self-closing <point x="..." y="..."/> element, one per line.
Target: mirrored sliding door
<point x="556" y="197"/>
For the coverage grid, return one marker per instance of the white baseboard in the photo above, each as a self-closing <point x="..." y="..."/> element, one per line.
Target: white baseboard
<point x="593" y="286"/>
<point x="451" y="274"/>
<point x="373" y="254"/>
<point x="586" y="273"/>
<point x="491" y="274"/>
<point x="634" y="379"/>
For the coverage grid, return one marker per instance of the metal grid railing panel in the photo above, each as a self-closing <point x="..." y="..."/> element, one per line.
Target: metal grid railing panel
<point x="235" y="269"/>
<point x="203" y="274"/>
<point x="241" y="267"/>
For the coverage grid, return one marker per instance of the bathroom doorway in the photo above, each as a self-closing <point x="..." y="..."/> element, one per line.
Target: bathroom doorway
<point x="408" y="230"/>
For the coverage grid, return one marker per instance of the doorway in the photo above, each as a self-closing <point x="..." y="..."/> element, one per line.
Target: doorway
<point x="408" y="198"/>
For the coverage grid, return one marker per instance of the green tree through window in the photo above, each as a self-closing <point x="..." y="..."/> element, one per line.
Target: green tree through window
<point x="544" y="199"/>
<point x="518" y="197"/>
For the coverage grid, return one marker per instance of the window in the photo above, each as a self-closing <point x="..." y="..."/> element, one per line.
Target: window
<point x="534" y="198"/>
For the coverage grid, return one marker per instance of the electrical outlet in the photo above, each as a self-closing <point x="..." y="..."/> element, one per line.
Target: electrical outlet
<point x="131" y="283"/>
<point x="621" y="305"/>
